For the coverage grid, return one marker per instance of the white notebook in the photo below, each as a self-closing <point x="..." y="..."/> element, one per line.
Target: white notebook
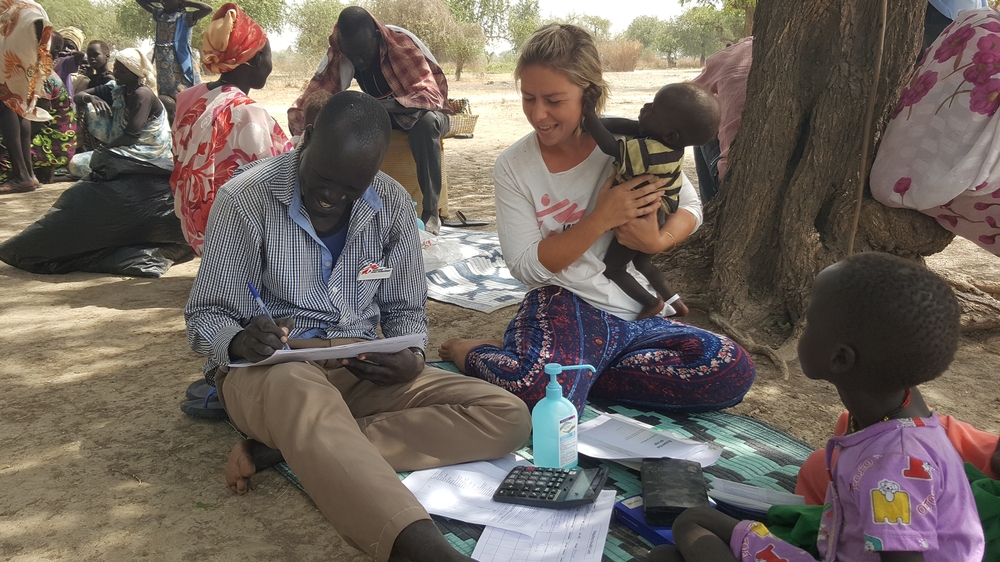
<point x="385" y="345"/>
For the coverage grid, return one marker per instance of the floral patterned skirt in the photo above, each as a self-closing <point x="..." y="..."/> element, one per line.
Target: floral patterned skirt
<point x="54" y="145"/>
<point x="939" y="153"/>
<point x="655" y="363"/>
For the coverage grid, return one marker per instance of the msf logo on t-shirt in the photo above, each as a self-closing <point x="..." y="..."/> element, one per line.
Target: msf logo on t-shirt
<point x="565" y="212"/>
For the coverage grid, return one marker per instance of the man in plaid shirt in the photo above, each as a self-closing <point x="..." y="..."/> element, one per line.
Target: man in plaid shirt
<point x="305" y="228"/>
<point x="393" y="66"/>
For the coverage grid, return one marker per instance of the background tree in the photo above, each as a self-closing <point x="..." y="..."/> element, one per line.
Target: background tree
<point x="597" y="26"/>
<point x="490" y="15"/>
<point x="468" y="43"/>
<point x="785" y="208"/>
<point x="314" y="20"/>
<point x="92" y="18"/>
<point x="703" y="30"/>
<point x="656" y="35"/>
<point x="134" y="24"/>
<point x="742" y="8"/>
<point x="524" y="18"/>
<point x="430" y="20"/>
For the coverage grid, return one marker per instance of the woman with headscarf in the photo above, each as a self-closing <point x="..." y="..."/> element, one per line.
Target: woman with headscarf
<point x="70" y="58"/>
<point x="53" y="142"/>
<point x="127" y="117"/>
<point x="25" y="33"/>
<point x="218" y="127"/>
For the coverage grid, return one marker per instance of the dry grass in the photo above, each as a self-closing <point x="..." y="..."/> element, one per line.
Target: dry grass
<point x="620" y="56"/>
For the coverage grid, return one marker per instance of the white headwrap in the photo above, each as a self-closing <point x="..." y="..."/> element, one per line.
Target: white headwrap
<point x="137" y="62"/>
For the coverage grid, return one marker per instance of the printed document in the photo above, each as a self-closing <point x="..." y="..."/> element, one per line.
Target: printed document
<point x="465" y="492"/>
<point x="618" y="438"/>
<point x="569" y="535"/>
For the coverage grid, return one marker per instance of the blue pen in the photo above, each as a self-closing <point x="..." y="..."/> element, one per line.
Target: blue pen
<point x="260" y="303"/>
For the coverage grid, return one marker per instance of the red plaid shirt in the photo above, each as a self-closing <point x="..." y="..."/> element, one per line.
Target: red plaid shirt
<point x="416" y="81"/>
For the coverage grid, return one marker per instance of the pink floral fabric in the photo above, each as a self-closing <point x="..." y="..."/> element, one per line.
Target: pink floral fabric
<point x="215" y="132"/>
<point x="939" y="154"/>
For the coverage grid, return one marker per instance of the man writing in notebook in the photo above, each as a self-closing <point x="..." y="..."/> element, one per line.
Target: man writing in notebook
<point x="306" y="228"/>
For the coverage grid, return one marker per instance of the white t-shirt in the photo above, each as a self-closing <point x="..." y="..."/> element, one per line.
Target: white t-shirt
<point x="533" y="203"/>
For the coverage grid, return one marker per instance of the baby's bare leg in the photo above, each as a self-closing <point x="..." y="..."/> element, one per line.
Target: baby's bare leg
<point x="644" y="264"/>
<point x="665" y="553"/>
<point x="703" y="534"/>
<point x="616" y="269"/>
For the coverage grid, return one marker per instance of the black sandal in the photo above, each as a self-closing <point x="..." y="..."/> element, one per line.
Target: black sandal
<point x="463" y="221"/>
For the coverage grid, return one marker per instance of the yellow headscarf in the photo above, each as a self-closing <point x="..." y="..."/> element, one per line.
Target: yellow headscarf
<point x="74" y="34"/>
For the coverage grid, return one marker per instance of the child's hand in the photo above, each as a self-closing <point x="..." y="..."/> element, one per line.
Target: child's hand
<point x="590" y="97"/>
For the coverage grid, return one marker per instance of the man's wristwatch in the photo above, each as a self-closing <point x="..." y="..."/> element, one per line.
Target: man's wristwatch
<point x="419" y="351"/>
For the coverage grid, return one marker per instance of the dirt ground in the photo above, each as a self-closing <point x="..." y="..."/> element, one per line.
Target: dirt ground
<point x="98" y="463"/>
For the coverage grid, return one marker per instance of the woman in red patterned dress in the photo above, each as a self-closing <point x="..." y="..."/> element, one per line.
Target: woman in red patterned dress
<point x="218" y="128"/>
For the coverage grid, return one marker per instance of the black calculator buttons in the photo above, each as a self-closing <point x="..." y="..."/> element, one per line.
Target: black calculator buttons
<point x="551" y="487"/>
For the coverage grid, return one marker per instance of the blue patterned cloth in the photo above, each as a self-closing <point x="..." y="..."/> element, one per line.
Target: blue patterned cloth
<point x="175" y="70"/>
<point x="656" y="363"/>
<point x="154" y="140"/>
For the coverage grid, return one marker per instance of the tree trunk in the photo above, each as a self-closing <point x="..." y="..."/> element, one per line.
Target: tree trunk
<point x="785" y="208"/>
<point x="458" y="69"/>
<point x="748" y="20"/>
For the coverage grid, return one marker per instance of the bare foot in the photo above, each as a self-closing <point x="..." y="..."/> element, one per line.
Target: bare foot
<point x="246" y="458"/>
<point x="456" y="350"/>
<point x="239" y="468"/>
<point x="19" y="187"/>
<point x="651" y="311"/>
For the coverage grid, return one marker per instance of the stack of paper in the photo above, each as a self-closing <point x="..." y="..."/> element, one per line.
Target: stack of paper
<point x="750" y="498"/>
<point x="513" y="532"/>
<point x="624" y="440"/>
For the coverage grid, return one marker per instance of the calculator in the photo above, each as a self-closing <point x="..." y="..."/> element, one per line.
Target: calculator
<point x="554" y="488"/>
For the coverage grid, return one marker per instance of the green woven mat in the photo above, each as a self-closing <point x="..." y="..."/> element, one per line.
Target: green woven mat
<point x="753" y="453"/>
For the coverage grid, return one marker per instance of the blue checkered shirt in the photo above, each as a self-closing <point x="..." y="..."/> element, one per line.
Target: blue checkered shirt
<point x="259" y="231"/>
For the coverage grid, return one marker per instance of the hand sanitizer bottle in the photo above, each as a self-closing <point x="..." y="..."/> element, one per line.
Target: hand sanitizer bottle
<point x="420" y="223"/>
<point x="553" y="423"/>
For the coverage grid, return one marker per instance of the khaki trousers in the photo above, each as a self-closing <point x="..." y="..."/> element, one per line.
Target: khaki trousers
<point x="346" y="438"/>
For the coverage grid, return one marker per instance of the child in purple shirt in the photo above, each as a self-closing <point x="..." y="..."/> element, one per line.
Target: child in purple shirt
<point x="877" y="326"/>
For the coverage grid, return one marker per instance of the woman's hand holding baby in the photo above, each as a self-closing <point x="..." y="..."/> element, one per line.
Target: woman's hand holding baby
<point x="645" y="234"/>
<point x="620" y="204"/>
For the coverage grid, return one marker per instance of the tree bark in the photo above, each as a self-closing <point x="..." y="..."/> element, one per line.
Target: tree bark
<point x="785" y="208"/>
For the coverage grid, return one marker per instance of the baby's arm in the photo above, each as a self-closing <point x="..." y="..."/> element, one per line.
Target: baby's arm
<point x="622" y="126"/>
<point x="604" y="139"/>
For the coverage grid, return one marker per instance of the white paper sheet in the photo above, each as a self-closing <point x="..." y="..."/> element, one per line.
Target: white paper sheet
<point x="570" y="535"/>
<point x="751" y="497"/>
<point x="465" y="492"/>
<point x="384" y="345"/>
<point x="618" y="438"/>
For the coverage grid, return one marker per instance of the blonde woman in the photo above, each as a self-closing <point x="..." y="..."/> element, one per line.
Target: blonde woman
<point x="557" y="213"/>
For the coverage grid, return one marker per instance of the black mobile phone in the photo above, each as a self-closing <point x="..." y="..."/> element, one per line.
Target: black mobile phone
<point x="669" y="486"/>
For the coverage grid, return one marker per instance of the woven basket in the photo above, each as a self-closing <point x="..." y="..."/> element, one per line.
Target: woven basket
<point x="463" y="122"/>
